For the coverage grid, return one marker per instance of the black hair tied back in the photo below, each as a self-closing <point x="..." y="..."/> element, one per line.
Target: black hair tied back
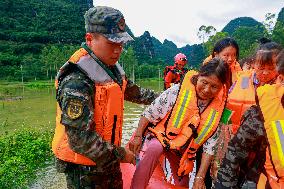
<point x="216" y="67"/>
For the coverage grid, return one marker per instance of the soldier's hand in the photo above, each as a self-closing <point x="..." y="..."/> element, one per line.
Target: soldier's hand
<point x="135" y="144"/>
<point x="129" y="157"/>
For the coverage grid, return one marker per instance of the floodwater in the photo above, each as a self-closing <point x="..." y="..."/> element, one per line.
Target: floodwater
<point x="48" y="178"/>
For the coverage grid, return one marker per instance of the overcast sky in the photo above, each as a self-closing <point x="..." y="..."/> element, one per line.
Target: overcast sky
<point x="179" y="20"/>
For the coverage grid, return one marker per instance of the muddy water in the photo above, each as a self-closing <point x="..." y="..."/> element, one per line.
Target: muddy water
<point x="48" y="178"/>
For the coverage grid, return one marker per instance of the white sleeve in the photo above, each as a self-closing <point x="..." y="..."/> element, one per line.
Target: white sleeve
<point x="209" y="145"/>
<point x="161" y="105"/>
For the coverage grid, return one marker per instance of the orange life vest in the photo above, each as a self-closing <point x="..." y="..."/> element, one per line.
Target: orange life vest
<point x="273" y="113"/>
<point x="241" y="98"/>
<point x="235" y="68"/>
<point x="177" y="126"/>
<point x="108" y="107"/>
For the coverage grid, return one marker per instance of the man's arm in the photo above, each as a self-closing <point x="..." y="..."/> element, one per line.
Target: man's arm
<point x="250" y="132"/>
<point x="76" y="100"/>
<point x="139" y="95"/>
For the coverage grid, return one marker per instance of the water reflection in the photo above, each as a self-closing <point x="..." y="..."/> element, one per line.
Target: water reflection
<point x="131" y="117"/>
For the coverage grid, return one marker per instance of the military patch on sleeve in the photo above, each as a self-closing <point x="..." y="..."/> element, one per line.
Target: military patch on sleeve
<point x="74" y="108"/>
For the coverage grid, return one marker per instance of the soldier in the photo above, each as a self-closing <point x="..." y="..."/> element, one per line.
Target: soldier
<point x="91" y="87"/>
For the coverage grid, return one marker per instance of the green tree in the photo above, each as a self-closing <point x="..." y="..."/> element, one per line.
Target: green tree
<point x="269" y="23"/>
<point x="209" y="45"/>
<point x="53" y="57"/>
<point x="204" y="32"/>
<point x="129" y="63"/>
<point x="247" y="39"/>
<point x="278" y="33"/>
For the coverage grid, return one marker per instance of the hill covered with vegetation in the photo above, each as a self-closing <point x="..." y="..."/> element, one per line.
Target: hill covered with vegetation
<point x="38" y="36"/>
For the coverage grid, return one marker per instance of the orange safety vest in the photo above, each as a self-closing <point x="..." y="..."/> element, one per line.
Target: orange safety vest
<point x="235" y="68"/>
<point x="241" y="98"/>
<point x="108" y="107"/>
<point x="273" y="114"/>
<point x="178" y="124"/>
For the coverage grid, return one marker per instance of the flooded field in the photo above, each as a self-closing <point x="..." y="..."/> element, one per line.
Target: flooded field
<point x="48" y="178"/>
<point x="34" y="107"/>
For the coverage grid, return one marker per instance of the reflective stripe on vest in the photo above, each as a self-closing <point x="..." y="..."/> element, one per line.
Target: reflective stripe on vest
<point x="278" y="130"/>
<point x="273" y="112"/>
<point x="210" y="122"/>
<point x="183" y="103"/>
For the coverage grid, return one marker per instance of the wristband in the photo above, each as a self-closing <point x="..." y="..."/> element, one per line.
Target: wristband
<point x="199" y="177"/>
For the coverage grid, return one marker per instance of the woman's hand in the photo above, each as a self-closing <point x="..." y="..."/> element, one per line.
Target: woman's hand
<point x="135" y="144"/>
<point x="199" y="183"/>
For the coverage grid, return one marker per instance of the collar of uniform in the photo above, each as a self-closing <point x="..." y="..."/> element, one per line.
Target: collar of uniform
<point x="105" y="67"/>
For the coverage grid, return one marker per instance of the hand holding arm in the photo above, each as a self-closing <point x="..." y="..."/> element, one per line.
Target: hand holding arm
<point x="136" y="143"/>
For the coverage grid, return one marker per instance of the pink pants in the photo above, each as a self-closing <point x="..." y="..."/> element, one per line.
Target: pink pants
<point x="150" y="160"/>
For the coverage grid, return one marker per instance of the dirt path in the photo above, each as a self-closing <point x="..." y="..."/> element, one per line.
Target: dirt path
<point x="48" y="178"/>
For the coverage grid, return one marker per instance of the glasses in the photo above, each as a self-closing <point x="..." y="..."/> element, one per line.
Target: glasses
<point x="183" y="59"/>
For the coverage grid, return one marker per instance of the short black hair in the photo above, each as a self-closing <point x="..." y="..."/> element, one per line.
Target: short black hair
<point x="223" y="43"/>
<point x="248" y="60"/>
<point x="280" y="62"/>
<point x="217" y="67"/>
<point x="267" y="44"/>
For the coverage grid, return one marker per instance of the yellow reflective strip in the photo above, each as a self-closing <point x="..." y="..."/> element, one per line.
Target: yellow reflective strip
<point x="208" y="126"/>
<point x="183" y="103"/>
<point x="278" y="130"/>
<point x="200" y="134"/>
<point x="179" y="105"/>
<point x="184" y="109"/>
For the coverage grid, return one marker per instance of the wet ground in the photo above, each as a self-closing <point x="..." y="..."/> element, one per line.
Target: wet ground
<point x="48" y="178"/>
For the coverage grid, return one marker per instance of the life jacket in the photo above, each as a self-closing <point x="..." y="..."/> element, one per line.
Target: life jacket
<point x="273" y="113"/>
<point x="235" y="68"/>
<point x="178" y="74"/>
<point x="241" y="98"/>
<point x="207" y="59"/>
<point x="108" y="101"/>
<point x="184" y="120"/>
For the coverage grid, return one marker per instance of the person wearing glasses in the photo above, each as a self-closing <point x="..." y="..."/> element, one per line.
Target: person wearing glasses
<point x="173" y="74"/>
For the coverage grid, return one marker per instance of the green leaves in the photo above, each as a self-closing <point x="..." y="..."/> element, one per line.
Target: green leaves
<point x="21" y="155"/>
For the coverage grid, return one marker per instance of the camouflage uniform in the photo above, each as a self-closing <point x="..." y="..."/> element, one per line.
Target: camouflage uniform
<point x="74" y="86"/>
<point x="82" y="140"/>
<point x="251" y="137"/>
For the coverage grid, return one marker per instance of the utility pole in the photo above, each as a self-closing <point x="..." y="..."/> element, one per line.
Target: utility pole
<point x="22" y="79"/>
<point x="159" y="79"/>
<point x="133" y="74"/>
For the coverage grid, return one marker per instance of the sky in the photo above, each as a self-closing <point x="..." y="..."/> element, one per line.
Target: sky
<point x="179" y="20"/>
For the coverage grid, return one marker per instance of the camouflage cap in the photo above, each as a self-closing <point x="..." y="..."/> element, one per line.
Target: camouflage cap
<point x="108" y="22"/>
